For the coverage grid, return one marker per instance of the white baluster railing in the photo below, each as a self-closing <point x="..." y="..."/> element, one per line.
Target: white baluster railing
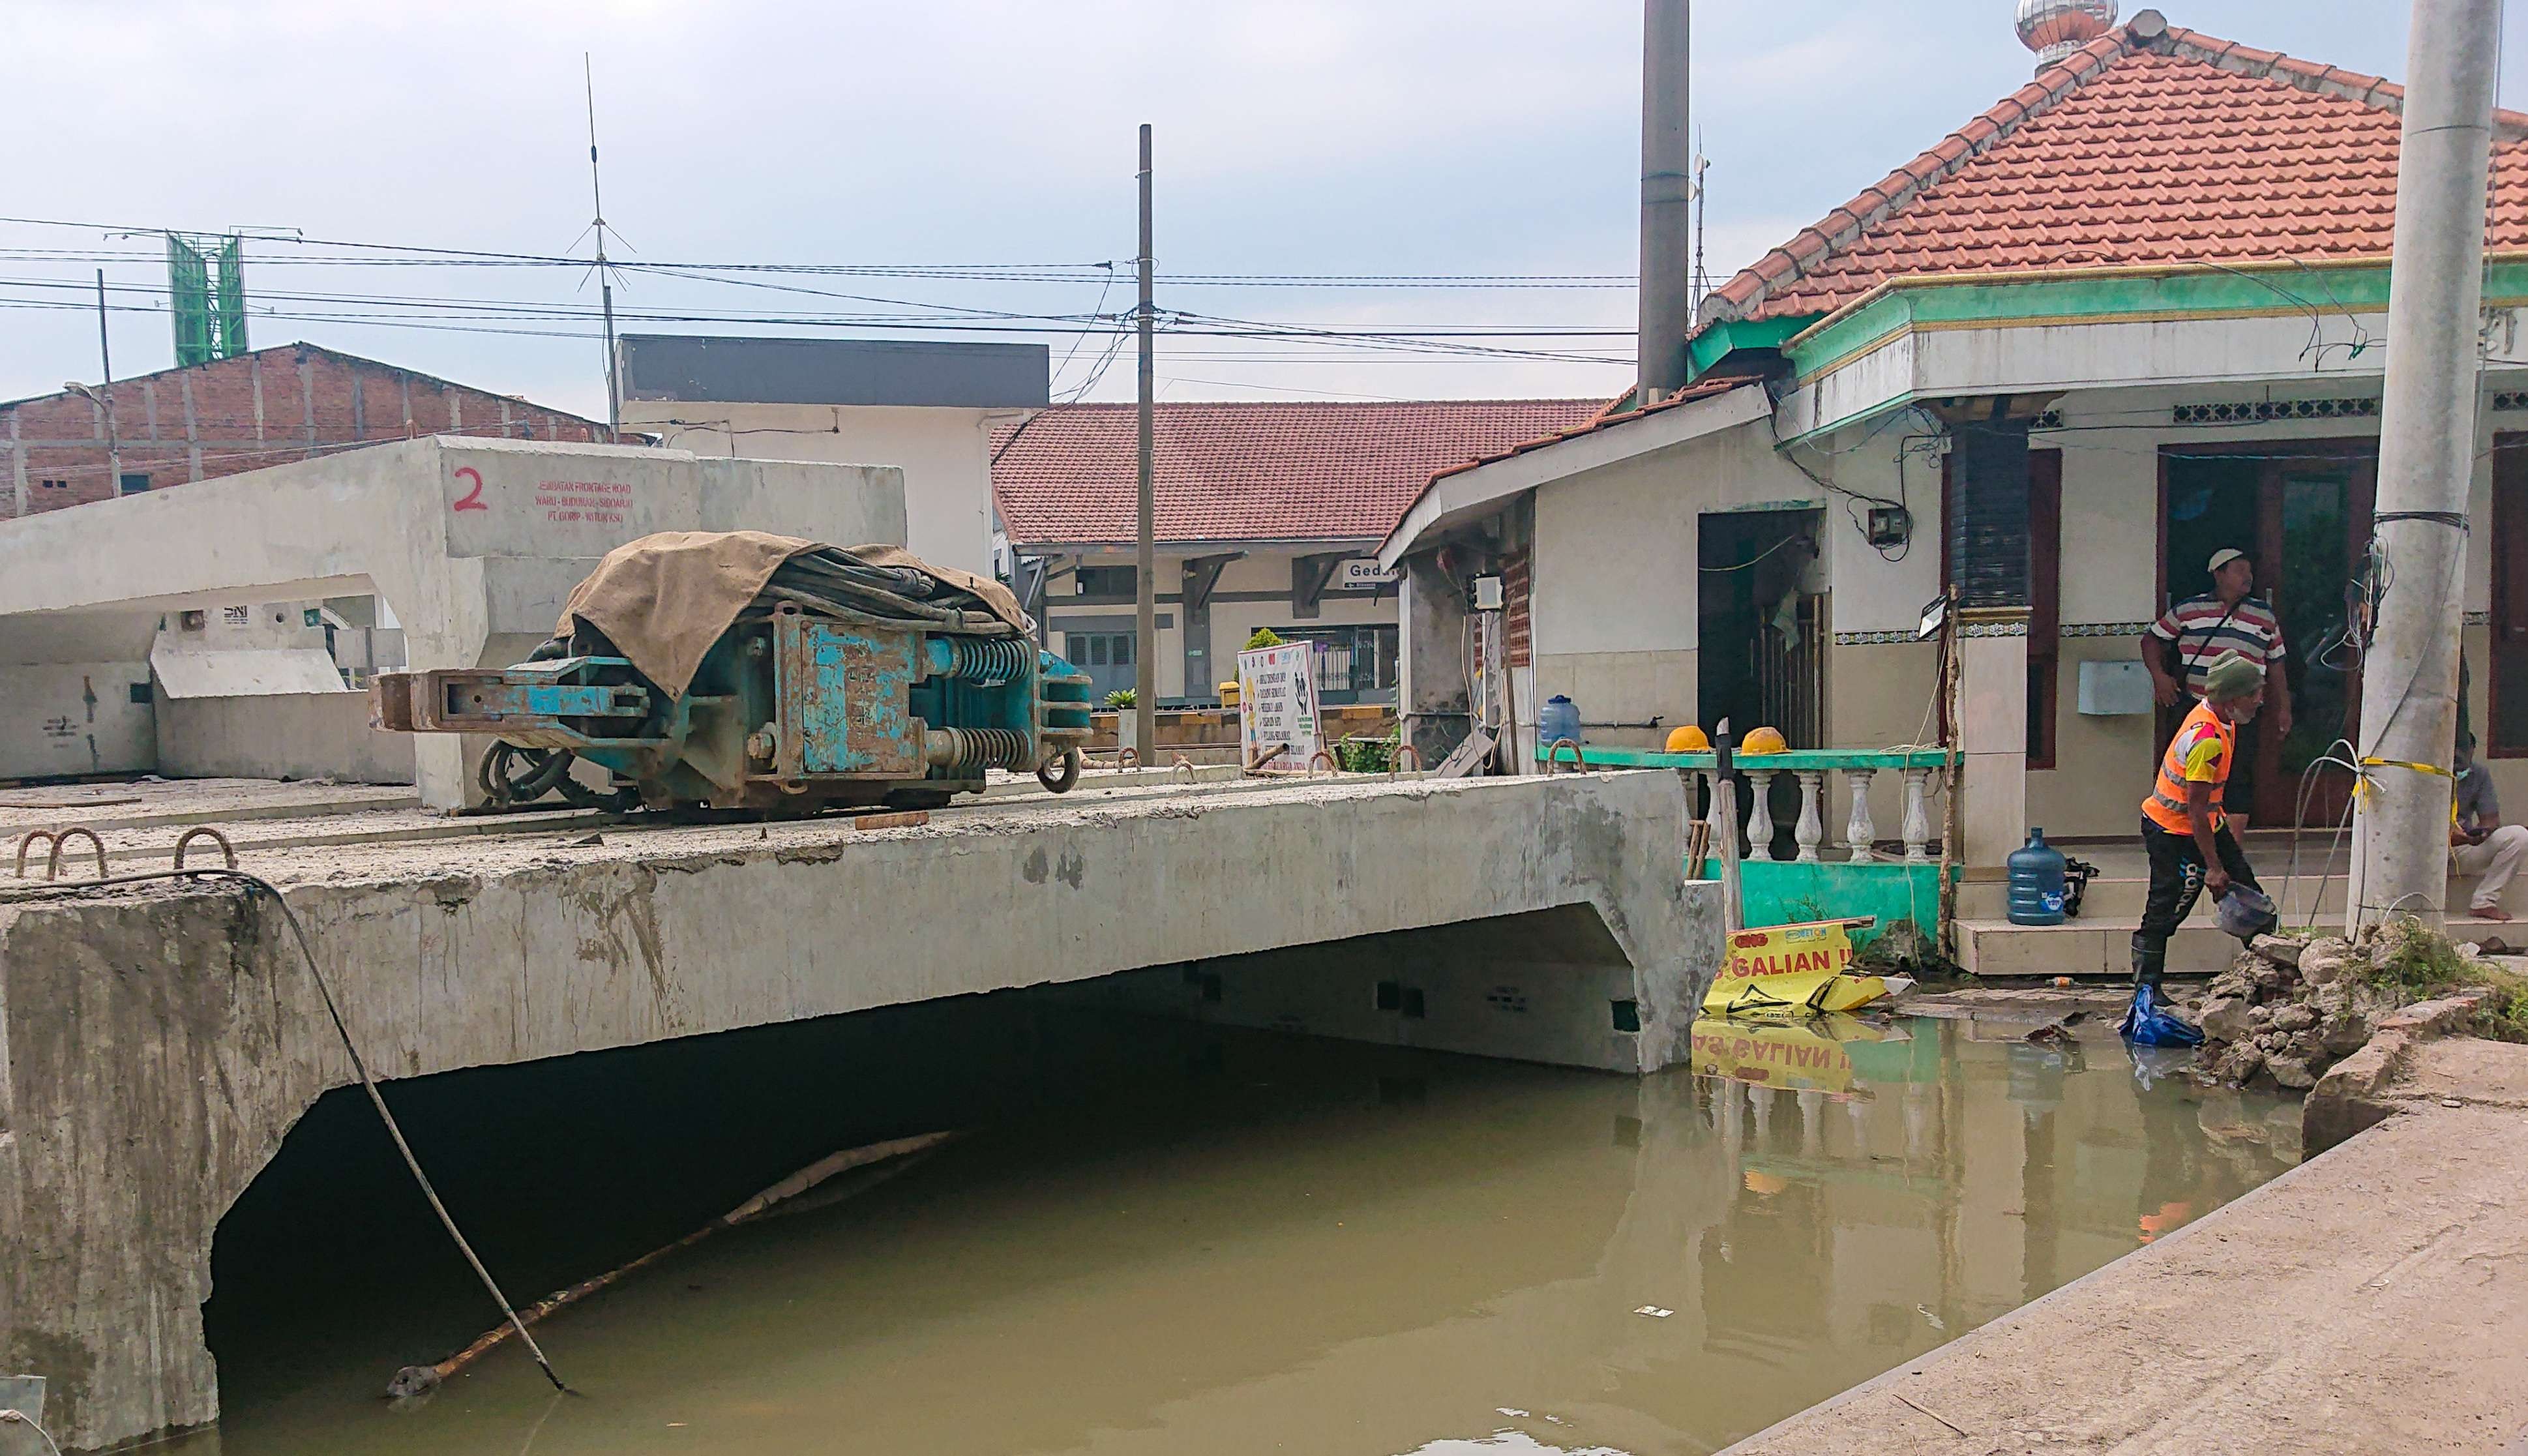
<point x="1759" y="816"/>
<point x="1918" y="816"/>
<point x="1811" y="828"/>
<point x="1859" y="831"/>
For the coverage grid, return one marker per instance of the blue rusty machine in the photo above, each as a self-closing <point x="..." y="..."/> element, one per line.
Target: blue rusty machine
<point x="825" y="692"/>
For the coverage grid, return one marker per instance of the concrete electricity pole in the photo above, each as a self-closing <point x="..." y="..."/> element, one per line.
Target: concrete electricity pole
<point x="1668" y="190"/>
<point x="105" y="402"/>
<point x="605" y="279"/>
<point x="2426" y="461"/>
<point x="1145" y="646"/>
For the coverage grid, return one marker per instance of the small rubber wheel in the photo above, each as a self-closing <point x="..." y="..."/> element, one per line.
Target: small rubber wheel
<point x="1060" y="774"/>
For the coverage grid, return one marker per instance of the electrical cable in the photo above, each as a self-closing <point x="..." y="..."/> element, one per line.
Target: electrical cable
<point x="255" y="885"/>
<point x="21" y="1418"/>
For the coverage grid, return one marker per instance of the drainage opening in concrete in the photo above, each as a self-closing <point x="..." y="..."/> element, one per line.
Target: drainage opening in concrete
<point x="1129" y="1177"/>
<point x="1628" y="1015"/>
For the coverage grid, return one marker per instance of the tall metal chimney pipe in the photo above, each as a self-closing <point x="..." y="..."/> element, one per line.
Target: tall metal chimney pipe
<point x="1667" y="188"/>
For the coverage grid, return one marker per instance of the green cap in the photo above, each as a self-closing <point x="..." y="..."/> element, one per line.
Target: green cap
<point x="2231" y="678"/>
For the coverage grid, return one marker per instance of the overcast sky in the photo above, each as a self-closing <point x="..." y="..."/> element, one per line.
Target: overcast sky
<point x="1293" y="136"/>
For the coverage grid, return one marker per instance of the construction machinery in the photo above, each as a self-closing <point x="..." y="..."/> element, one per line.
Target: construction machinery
<point x="837" y="682"/>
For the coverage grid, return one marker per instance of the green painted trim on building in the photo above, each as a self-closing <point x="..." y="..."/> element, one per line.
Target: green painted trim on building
<point x="1925" y="305"/>
<point x="1717" y="341"/>
<point x="1773" y="892"/>
<point x="1797" y="758"/>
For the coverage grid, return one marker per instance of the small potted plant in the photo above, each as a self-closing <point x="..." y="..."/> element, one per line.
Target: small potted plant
<point x="1127" y="723"/>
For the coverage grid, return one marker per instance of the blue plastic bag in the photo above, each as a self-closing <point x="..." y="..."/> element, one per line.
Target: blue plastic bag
<point x="2149" y="1024"/>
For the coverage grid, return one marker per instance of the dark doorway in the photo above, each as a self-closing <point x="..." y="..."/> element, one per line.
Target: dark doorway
<point x="2300" y="509"/>
<point x="2505" y="730"/>
<point x="1761" y="635"/>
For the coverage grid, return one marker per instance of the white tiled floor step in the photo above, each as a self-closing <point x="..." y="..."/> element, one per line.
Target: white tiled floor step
<point x="2122" y="899"/>
<point x="2095" y="946"/>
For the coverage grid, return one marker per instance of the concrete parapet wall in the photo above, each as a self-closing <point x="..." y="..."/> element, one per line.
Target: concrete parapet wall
<point x="280" y="735"/>
<point x="474" y="544"/>
<point x="157" y="1043"/>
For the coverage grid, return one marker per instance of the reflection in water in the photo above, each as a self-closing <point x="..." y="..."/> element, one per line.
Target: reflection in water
<point x="1244" y="1243"/>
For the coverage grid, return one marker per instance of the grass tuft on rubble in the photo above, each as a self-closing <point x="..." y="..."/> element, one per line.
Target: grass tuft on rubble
<point x="2416" y="963"/>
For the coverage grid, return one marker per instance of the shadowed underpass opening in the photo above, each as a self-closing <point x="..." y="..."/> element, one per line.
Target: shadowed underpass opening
<point x="1161" y="1236"/>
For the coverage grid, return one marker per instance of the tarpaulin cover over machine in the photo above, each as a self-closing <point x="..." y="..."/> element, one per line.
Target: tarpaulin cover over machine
<point x="743" y="670"/>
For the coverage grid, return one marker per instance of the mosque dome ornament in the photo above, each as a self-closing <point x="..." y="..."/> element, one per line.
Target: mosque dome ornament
<point x="2055" y="29"/>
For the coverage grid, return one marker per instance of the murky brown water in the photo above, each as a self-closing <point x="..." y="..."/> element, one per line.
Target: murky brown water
<point x="1277" y="1246"/>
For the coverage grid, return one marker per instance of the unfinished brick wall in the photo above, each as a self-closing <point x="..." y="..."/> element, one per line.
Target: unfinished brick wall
<point x="262" y="408"/>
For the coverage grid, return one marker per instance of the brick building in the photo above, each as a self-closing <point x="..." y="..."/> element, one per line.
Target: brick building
<point x="266" y="407"/>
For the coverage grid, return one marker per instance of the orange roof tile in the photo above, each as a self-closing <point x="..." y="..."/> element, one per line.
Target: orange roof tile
<point x="1249" y="470"/>
<point x="2151" y="144"/>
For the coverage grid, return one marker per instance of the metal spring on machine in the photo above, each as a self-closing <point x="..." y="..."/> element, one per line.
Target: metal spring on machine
<point x="990" y="659"/>
<point x="988" y="747"/>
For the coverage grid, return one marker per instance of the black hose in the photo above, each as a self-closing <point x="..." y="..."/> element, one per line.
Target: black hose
<point x="255" y="884"/>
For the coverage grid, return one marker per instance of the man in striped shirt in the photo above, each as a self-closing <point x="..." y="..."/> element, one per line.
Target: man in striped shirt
<point x="2189" y="638"/>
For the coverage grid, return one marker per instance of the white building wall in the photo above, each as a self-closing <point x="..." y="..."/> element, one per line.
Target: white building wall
<point x="1615" y="590"/>
<point x="945" y="454"/>
<point x="1615" y="594"/>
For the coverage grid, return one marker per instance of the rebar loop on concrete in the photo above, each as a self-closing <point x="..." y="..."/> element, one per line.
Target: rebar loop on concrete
<point x="255" y="884"/>
<point x="1332" y="766"/>
<point x="1186" y="764"/>
<point x="205" y="831"/>
<point x="1553" y="756"/>
<point x="25" y="842"/>
<point x="1396" y="760"/>
<point x="61" y="841"/>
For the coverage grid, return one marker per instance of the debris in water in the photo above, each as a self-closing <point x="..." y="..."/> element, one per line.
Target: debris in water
<point x="1654" y="1310"/>
<point x="421" y="1380"/>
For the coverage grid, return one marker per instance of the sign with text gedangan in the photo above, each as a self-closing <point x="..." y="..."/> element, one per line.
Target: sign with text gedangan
<point x="1276" y="703"/>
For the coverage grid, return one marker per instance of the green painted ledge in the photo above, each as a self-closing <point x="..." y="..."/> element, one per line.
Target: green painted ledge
<point x="2111" y="296"/>
<point x="1795" y="760"/>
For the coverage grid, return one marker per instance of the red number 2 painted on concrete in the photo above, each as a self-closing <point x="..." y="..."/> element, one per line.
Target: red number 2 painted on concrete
<point x="471" y="499"/>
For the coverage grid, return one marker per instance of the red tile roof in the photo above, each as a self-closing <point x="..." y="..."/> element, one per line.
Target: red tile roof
<point x="2151" y="144"/>
<point x="1250" y="471"/>
<point x="1702" y="389"/>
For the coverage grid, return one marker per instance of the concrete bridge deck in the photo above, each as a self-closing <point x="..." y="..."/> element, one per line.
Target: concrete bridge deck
<point x="157" y="1042"/>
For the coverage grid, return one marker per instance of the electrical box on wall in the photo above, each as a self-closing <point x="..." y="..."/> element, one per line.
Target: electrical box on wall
<point x="1890" y="526"/>
<point x="1488" y="593"/>
<point x="2113" y="689"/>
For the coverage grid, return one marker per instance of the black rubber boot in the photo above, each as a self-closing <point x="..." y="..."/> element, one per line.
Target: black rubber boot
<point x="2149" y="961"/>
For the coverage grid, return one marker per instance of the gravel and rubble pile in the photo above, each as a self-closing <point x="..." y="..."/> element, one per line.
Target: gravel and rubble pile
<point x="2290" y="1008"/>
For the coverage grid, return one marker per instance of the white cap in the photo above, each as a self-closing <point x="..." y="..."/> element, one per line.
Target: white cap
<point x="2224" y="557"/>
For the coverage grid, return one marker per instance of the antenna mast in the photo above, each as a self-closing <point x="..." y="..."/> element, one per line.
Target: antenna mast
<point x="605" y="280"/>
<point x="1701" y="279"/>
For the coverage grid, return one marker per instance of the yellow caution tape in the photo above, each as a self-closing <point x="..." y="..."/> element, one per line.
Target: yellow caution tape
<point x="2402" y="763"/>
<point x="2361" y="785"/>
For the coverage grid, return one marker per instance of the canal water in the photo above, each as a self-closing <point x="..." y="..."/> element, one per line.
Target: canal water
<point x="1163" y="1239"/>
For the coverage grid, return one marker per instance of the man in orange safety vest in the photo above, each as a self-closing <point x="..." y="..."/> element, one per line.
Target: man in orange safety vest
<point x="2184" y="829"/>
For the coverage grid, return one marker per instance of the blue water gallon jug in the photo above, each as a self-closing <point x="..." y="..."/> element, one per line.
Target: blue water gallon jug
<point x="2036" y="882"/>
<point x="1557" y="721"/>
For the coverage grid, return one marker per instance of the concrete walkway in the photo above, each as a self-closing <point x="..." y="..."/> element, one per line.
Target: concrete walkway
<point x="2373" y="1300"/>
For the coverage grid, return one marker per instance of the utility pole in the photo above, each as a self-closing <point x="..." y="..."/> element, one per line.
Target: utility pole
<point x="1667" y="184"/>
<point x="2427" y="434"/>
<point x="105" y="404"/>
<point x="605" y="281"/>
<point x="1146" y="654"/>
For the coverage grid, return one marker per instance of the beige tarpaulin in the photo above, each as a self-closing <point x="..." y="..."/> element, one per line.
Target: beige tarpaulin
<point x="663" y="600"/>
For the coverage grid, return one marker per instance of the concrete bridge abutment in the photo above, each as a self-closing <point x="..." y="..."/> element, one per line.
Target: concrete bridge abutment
<point x="157" y="1043"/>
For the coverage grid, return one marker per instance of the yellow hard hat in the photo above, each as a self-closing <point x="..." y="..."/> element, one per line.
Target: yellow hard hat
<point x="1687" y="739"/>
<point x="1765" y="741"/>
